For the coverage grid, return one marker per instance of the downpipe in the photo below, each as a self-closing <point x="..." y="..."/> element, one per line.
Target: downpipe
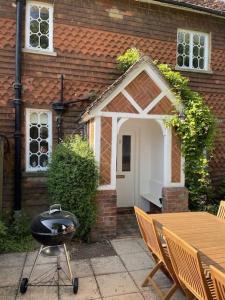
<point x="17" y="104"/>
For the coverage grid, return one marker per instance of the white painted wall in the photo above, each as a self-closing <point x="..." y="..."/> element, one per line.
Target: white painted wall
<point x="148" y="158"/>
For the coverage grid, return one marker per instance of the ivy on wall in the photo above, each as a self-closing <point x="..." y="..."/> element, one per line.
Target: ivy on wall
<point x="196" y="130"/>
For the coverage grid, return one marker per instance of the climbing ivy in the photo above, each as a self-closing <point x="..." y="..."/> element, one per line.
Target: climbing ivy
<point x="128" y="58"/>
<point x="196" y="130"/>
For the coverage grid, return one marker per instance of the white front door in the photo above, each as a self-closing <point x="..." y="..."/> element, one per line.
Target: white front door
<point x="125" y="179"/>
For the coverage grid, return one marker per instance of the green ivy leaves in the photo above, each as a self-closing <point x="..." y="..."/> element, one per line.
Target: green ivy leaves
<point x="196" y="132"/>
<point x="128" y="59"/>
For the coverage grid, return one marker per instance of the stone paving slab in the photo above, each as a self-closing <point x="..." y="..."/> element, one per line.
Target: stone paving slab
<point x="117" y="277"/>
<point x="136" y="296"/>
<point x="126" y="246"/>
<point x="142" y="244"/>
<point x="12" y="260"/>
<point x="137" y="261"/>
<point x="82" y="268"/>
<point x="88" y="289"/>
<point x="8" y="293"/>
<point x="43" y="259"/>
<point x="40" y="273"/>
<point x="116" y="284"/>
<point x="10" y="276"/>
<point x="138" y="276"/>
<point x="107" y="265"/>
<point x="39" y="293"/>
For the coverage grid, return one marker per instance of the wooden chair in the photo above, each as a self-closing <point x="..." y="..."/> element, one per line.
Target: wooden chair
<point x="221" y="210"/>
<point x="151" y="237"/>
<point x="219" y="282"/>
<point x="188" y="268"/>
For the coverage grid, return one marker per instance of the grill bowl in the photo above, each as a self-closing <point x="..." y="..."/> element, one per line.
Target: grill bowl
<point x="54" y="227"/>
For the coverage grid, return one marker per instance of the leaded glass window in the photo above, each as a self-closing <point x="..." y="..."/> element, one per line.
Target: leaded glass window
<point x="192" y="50"/>
<point x="39" y="27"/>
<point x="39" y="139"/>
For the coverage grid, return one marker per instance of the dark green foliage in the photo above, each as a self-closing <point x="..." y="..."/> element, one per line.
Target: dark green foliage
<point x="196" y="132"/>
<point x="73" y="181"/>
<point x="128" y="58"/>
<point x="15" y="235"/>
<point x="221" y="189"/>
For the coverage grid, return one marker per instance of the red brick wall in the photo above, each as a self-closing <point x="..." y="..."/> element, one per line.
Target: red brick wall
<point x="87" y="39"/>
<point x="176" y="158"/>
<point x="174" y="199"/>
<point x="106" y="148"/>
<point x="107" y="215"/>
<point x="164" y="107"/>
<point x="120" y="104"/>
<point x="143" y="90"/>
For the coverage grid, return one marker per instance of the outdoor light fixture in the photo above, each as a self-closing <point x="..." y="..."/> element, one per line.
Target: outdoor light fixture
<point x="61" y="106"/>
<point x="181" y="116"/>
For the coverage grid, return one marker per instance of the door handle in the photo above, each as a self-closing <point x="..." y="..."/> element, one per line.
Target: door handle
<point x="120" y="176"/>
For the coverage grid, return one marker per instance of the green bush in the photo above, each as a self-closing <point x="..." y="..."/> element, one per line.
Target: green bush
<point x="73" y="181"/>
<point x="15" y="235"/>
<point x="3" y="233"/>
<point x="128" y="58"/>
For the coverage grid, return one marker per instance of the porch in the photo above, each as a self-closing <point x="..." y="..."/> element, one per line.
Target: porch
<point x="139" y="157"/>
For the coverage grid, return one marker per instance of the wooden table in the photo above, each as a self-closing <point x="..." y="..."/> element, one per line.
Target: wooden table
<point x="202" y="230"/>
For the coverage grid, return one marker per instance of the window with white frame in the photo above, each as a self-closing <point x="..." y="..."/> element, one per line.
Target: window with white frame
<point x="192" y="50"/>
<point x="39" y="26"/>
<point x="38" y="139"/>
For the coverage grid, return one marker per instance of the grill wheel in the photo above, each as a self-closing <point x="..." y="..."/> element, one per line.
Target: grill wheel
<point x="75" y="285"/>
<point x="23" y="285"/>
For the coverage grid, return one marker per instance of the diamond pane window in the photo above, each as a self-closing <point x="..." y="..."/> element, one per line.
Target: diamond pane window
<point x="39" y="139"/>
<point x="192" y="50"/>
<point x="39" y="26"/>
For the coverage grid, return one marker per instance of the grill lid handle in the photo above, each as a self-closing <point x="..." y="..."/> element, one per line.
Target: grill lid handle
<point x="54" y="208"/>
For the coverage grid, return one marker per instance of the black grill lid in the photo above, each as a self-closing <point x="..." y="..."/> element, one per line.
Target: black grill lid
<point x="55" y="226"/>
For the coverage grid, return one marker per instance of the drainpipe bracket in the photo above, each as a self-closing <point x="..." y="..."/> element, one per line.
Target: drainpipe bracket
<point x="17" y="85"/>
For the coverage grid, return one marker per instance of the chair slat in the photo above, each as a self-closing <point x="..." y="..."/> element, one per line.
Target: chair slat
<point x="219" y="282"/>
<point x="221" y="210"/>
<point x="151" y="237"/>
<point x="187" y="265"/>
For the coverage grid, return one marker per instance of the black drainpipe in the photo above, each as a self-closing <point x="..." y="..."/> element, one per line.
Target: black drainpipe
<point x="17" y="104"/>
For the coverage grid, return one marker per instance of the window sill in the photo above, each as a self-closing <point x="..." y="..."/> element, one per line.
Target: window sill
<point x="32" y="51"/>
<point x="193" y="70"/>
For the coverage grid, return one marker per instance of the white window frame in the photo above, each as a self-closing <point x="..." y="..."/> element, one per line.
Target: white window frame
<point x="207" y="50"/>
<point x="28" y="112"/>
<point x="27" y="27"/>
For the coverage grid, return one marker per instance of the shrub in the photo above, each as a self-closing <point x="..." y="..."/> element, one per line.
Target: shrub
<point x="128" y="58"/>
<point x="15" y="235"/>
<point x="73" y="180"/>
<point x="3" y="233"/>
<point x="21" y="225"/>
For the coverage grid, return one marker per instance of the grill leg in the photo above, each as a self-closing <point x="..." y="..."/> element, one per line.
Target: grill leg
<point x="35" y="262"/>
<point x="68" y="262"/>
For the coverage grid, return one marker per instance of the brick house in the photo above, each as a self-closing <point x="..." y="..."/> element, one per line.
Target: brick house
<point x="81" y="40"/>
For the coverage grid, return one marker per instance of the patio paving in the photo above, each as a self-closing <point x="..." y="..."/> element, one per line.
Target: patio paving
<point x="116" y="277"/>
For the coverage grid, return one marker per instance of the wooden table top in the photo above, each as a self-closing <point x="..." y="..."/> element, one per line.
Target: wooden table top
<point x="202" y="230"/>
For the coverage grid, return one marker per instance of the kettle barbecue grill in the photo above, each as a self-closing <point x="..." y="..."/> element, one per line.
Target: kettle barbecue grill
<point x="53" y="229"/>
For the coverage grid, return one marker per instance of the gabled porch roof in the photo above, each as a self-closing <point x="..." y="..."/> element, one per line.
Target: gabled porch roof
<point x="142" y="73"/>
